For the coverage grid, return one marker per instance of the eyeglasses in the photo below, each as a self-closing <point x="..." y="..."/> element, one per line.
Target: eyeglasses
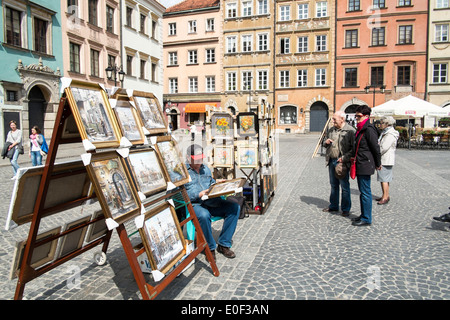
<point x="359" y="115"/>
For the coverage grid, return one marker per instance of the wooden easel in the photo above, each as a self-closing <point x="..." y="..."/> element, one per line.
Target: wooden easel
<point x="27" y="273"/>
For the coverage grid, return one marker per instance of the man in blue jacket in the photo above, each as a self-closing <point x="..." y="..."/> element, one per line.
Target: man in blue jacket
<point x="204" y="209"/>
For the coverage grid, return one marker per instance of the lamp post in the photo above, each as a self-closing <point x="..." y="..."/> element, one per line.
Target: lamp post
<point x="111" y="74"/>
<point x="368" y="87"/>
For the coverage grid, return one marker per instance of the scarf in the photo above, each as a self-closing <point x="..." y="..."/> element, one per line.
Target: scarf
<point x="33" y="139"/>
<point x="360" y="125"/>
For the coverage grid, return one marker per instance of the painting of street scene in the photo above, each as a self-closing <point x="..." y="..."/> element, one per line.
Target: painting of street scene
<point x="147" y="171"/>
<point x="163" y="240"/>
<point x="128" y="121"/>
<point x="151" y="114"/>
<point x="94" y="117"/>
<point x="170" y="156"/>
<point x="116" y="189"/>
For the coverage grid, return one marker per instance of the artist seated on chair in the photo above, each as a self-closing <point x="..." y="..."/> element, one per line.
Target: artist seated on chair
<point x="204" y="209"/>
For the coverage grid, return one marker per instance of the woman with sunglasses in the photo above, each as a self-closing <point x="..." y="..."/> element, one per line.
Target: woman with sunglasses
<point x="368" y="159"/>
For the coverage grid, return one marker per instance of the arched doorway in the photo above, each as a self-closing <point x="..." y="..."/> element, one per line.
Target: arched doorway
<point x="173" y="116"/>
<point x="36" y="108"/>
<point x="318" y="116"/>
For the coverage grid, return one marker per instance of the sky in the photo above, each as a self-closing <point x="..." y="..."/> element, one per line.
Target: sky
<point x="169" y="3"/>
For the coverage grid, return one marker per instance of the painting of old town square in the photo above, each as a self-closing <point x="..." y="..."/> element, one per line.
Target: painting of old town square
<point x="175" y="167"/>
<point x="147" y="171"/>
<point x="150" y="111"/>
<point x="129" y="123"/>
<point x="162" y="238"/>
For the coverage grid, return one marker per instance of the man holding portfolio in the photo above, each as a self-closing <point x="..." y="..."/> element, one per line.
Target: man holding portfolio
<point x="196" y="189"/>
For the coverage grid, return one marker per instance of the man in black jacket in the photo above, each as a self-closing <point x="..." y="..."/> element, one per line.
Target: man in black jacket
<point x="368" y="159"/>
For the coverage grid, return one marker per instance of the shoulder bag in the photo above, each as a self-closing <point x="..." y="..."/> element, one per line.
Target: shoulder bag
<point x="353" y="161"/>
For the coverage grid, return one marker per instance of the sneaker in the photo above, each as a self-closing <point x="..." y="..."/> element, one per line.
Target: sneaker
<point x="14" y="178"/>
<point x="227" y="252"/>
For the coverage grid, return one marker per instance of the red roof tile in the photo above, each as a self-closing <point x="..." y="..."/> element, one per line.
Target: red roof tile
<point x="192" y="5"/>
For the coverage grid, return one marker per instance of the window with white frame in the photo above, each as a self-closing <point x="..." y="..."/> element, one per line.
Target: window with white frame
<point x="378" y="36"/>
<point x="441" y="33"/>
<point x="284" y="78"/>
<point x="173" y="85"/>
<point x="285" y="13"/>
<point x="321" y="9"/>
<point x="440" y="4"/>
<point x="302" y="44"/>
<point x="262" y="81"/>
<point x="405" y="34"/>
<point x="192" y="57"/>
<point x="263" y="7"/>
<point x="173" y="58"/>
<point x="404" y="3"/>
<point x="285" y="45"/>
<point x="354" y="5"/>
<point x="210" y="55"/>
<point x="302" y="78"/>
<point x="172" y="29"/>
<point x="379" y="4"/>
<point x="193" y="84"/>
<point x="192" y="26"/>
<point x="246" y="8"/>
<point x="210" y="24"/>
<point x="247" y="80"/>
<point x="231" y="81"/>
<point x="351" y="38"/>
<point x="321" y="43"/>
<point x="246" y="43"/>
<point x="231" y="10"/>
<point x="231" y="44"/>
<point x="440" y="72"/>
<point x="210" y="84"/>
<point x="303" y="11"/>
<point x="321" y="77"/>
<point x="263" y="42"/>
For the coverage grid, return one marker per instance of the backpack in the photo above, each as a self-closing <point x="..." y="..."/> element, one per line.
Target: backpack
<point x="44" y="146"/>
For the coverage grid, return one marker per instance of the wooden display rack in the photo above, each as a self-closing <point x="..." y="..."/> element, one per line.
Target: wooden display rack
<point x="27" y="273"/>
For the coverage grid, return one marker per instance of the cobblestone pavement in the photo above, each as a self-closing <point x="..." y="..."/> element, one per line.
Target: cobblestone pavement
<point x="293" y="251"/>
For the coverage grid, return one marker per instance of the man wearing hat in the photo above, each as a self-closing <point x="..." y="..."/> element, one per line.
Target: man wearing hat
<point x="204" y="209"/>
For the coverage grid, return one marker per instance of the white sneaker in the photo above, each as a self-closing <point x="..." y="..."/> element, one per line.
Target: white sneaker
<point x="14" y="178"/>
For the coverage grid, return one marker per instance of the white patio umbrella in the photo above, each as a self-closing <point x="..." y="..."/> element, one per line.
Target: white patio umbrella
<point x="384" y="109"/>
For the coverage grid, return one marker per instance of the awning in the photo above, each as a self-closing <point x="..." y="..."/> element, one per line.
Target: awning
<point x="198" y="107"/>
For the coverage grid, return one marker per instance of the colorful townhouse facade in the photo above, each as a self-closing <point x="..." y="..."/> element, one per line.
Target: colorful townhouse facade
<point x="192" y="61"/>
<point x="31" y="56"/>
<point x="381" y="52"/>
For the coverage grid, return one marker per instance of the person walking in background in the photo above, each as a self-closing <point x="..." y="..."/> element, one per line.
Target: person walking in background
<point x="36" y="142"/>
<point x="339" y="146"/>
<point x="388" y="144"/>
<point x="368" y="158"/>
<point x="15" y="138"/>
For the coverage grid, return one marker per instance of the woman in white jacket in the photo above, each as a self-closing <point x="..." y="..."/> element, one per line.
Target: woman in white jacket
<point x="388" y="143"/>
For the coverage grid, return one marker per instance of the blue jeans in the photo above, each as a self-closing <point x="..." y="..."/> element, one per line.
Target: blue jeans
<point x="344" y="184"/>
<point x="36" y="158"/>
<point x="13" y="161"/>
<point x="365" y="198"/>
<point x="228" y="210"/>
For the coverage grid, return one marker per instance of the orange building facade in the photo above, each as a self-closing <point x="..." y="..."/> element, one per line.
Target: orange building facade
<point x="381" y="52"/>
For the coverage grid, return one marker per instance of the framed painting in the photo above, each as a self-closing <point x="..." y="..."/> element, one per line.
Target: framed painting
<point x="97" y="229"/>
<point x="41" y="255"/>
<point x="93" y="114"/>
<point x="147" y="171"/>
<point x="224" y="156"/>
<point x="151" y="113"/>
<point x="225" y="187"/>
<point x="114" y="189"/>
<point x="74" y="239"/>
<point x="247" y="124"/>
<point x="176" y="169"/>
<point x="222" y="126"/>
<point x="162" y="238"/>
<point x="247" y="155"/>
<point x="129" y="120"/>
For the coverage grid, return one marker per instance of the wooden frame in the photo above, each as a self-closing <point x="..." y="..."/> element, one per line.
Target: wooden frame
<point x="225" y="187"/>
<point x="224" y="156"/>
<point x="247" y="124"/>
<point x="147" y="171"/>
<point x="222" y="126"/>
<point x="152" y="116"/>
<point x="41" y="255"/>
<point x="161" y="230"/>
<point x="93" y="114"/>
<point x="118" y="197"/>
<point x="175" y="167"/>
<point x="247" y="155"/>
<point x="129" y="121"/>
<point x="74" y="239"/>
<point x="98" y="228"/>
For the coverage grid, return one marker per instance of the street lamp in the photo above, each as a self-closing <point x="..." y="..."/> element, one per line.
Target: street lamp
<point x="367" y="89"/>
<point x="111" y="74"/>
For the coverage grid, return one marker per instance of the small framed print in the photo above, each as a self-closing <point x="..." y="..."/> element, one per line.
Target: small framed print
<point x="247" y="124"/>
<point x="151" y="113"/>
<point x="115" y="191"/>
<point x="74" y="239"/>
<point x="222" y="126"/>
<point x="129" y="120"/>
<point x="225" y="187"/>
<point x="224" y="156"/>
<point x="162" y="238"/>
<point x="147" y="171"/>
<point x="176" y="169"/>
<point x="247" y="155"/>
<point x="93" y="114"/>
<point x="96" y="229"/>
